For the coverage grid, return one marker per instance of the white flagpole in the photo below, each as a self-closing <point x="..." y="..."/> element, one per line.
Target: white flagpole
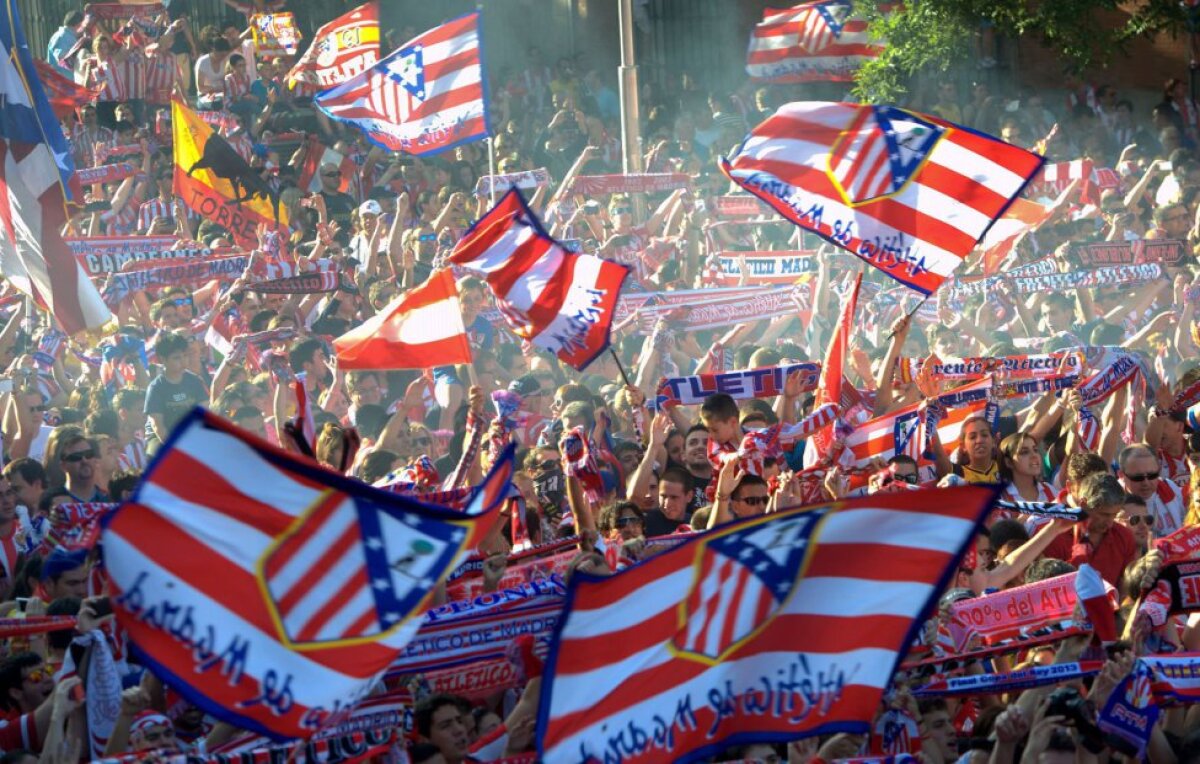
<point x="492" y="168"/>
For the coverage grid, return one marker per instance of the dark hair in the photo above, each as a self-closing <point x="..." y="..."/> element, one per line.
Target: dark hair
<point x="748" y="480"/>
<point x="73" y="18"/>
<point x="103" y="422"/>
<point x="302" y="352"/>
<point x="370" y="419"/>
<point x="1081" y="464"/>
<point x="904" y="459"/>
<point x="426" y="708"/>
<point x="61" y="639"/>
<point x="609" y="513"/>
<point x="1004" y="531"/>
<point x="1047" y="567"/>
<point x="718" y="407"/>
<point x="169" y="344"/>
<point x="377" y="464"/>
<point x="122" y="482"/>
<point x="11" y="677"/>
<point x="30" y="470"/>
<point x="129" y="397"/>
<point x="676" y="475"/>
<point x="1134" y="499"/>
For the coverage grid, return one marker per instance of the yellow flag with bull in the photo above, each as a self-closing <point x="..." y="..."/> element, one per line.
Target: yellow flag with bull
<point x="215" y="181"/>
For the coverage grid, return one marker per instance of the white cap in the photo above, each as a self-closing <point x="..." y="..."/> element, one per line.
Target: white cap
<point x="370" y="207"/>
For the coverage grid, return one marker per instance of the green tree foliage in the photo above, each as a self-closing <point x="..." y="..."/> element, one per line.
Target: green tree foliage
<point x="938" y="34"/>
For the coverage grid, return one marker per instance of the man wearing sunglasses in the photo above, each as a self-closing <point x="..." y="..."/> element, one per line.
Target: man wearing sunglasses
<point x="78" y="459"/>
<point x="26" y="686"/>
<point x="1141" y="475"/>
<point x="338" y="203"/>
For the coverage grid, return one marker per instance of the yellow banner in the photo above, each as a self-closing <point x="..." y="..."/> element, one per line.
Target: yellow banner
<point x="217" y="183"/>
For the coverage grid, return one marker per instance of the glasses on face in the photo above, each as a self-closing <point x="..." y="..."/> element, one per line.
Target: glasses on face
<point x="1142" y="477"/>
<point x="624" y="522"/>
<point x="427" y="237"/>
<point x="79" y="456"/>
<point x="1136" y="520"/>
<point x="331" y="175"/>
<point x="622" y="210"/>
<point x="422" y="442"/>
<point x="38" y="674"/>
<point x="910" y="479"/>
<point x="755" y="501"/>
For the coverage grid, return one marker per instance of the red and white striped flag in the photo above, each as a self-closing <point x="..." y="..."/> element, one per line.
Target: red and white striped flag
<point x="829" y="389"/>
<point x="1000" y="239"/>
<point x="810" y="42"/>
<point x="909" y="193"/>
<point x="320" y="575"/>
<point x="903" y="431"/>
<point x="35" y="168"/>
<point x="421" y="329"/>
<point x="556" y="300"/>
<point x="424" y="98"/>
<point x="769" y="629"/>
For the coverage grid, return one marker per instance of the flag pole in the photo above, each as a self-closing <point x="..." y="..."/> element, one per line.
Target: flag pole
<point x="620" y="366"/>
<point x="491" y="142"/>
<point x="631" y="138"/>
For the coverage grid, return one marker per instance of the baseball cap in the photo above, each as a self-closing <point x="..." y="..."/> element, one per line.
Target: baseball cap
<point x="370" y="207"/>
<point x="525" y="385"/>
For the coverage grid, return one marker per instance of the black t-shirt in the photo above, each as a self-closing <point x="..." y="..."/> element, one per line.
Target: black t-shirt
<point x="173" y="400"/>
<point x="699" y="492"/>
<point x="658" y="524"/>
<point x="339" y="205"/>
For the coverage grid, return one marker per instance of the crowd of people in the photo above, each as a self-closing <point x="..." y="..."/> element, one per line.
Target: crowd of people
<point x="84" y="415"/>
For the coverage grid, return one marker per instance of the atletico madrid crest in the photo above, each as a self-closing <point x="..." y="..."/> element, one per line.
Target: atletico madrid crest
<point x="881" y="150"/>
<point x="349" y="570"/>
<point x="741" y="579"/>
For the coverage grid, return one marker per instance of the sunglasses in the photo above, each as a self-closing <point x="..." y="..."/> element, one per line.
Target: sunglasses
<point x="1143" y="477"/>
<point x="622" y="210"/>
<point x="1137" y="520"/>
<point x="910" y="479"/>
<point x="421" y="441"/>
<point x="331" y="174"/>
<point x="181" y="301"/>
<point x="623" y="522"/>
<point x="755" y="501"/>
<point x="427" y="237"/>
<point x="38" y="674"/>
<point x="79" y="456"/>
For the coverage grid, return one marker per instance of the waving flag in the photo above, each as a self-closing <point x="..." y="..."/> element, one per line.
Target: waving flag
<point x="556" y="300"/>
<point x="65" y="95"/>
<point x="320" y="575"/>
<point x="903" y="431"/>
<point x="768" y="629"/>
<point x="275" y="34"/>
<point x="217" y="183"/>
<point x="35" y="168"/>
<point x="420" y="329"/>
<point x="829" y="389"/>
<point x="810" y="42"/>
<point x="909" y="193"/>
<point x="1000" y="239"/>
<point x="424" y="98"/>
<point x="341" y="49"/>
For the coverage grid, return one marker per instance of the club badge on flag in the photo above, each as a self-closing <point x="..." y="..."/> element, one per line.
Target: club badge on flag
<point x="217" y="183"/>
<point x="275" y="34"/>
<point x="763" y="630"/>
<point x="816" y="41"/>
<point x="421" y="329"/>
<point x="909" y="193"/>
<point x="340" y="49"/>
<point x="556" y="300"/>
<point x="320" y="575"/>
<point x="424" y="98"/>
